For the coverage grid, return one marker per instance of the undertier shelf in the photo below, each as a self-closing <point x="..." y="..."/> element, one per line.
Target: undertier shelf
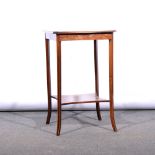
<point x="82" y="98"/>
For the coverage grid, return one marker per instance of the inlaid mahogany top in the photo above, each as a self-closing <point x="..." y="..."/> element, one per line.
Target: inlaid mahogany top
<point x="82" y="32"/>
<point x="79" y="35"/>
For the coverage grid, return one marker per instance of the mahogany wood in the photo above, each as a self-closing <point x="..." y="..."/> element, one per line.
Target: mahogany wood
<point x="66" y="37"/>
<point x="78" y="99"/>
<point x="85" y="98"/>
<point x="58" y="86"/>
<point x="83" y="32"/>
<point x="48" y="80"/>
<point x="96" y="78"/>
<point x="111" y="85"/>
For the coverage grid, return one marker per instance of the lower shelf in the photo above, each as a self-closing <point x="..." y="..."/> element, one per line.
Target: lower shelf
<point x="76" y="99"/>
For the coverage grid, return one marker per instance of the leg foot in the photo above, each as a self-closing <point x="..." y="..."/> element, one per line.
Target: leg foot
<point x="112" y="117"/>
<point x="98" y="111"/>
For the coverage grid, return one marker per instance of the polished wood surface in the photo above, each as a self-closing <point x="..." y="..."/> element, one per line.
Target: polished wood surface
<point x="96" y="78"/>
<point x="83" y="98"/>
<point x="84" y="37"/>
<point x="48" y="79"/>
<point x="65" y="36"/>
<point x="111" y="84"/>
<point x="58" y="43"/>
<point x="83" y="32"/>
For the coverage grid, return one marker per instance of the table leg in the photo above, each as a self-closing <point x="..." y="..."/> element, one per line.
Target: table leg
<point x="48" y="79"/>
<point x="111" y="87"/>
<point x="96" y="79"/>
<point x="58" y="87"/>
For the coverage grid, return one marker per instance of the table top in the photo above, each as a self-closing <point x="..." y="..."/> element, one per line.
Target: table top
<point x="79" y="35"/>
<point x="82" y="32"/>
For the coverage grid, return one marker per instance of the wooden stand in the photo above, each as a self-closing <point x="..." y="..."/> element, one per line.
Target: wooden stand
<point x="85" y="98"/>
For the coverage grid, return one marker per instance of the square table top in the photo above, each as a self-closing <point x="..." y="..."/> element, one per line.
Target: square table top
<point x="82" y="32"/>
<point x="79" y="35"/>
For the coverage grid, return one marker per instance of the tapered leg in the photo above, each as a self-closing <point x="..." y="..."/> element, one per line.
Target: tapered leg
<point x="96" y="79"/>
<point x="111" y="87"/>
<point x="58" y="87"/>
<point x="48" y="80"/>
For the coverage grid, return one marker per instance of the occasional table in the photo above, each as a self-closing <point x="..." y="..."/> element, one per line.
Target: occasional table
<point x="60" y="36"/>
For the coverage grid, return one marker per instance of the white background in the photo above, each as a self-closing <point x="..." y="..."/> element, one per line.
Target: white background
<point x="22" y="51"/>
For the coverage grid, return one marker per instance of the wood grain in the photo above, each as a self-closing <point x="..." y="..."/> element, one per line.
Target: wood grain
<point x="83" y="32"/>
<point x="78" y="99"/>
<point x="68" y="37"/>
